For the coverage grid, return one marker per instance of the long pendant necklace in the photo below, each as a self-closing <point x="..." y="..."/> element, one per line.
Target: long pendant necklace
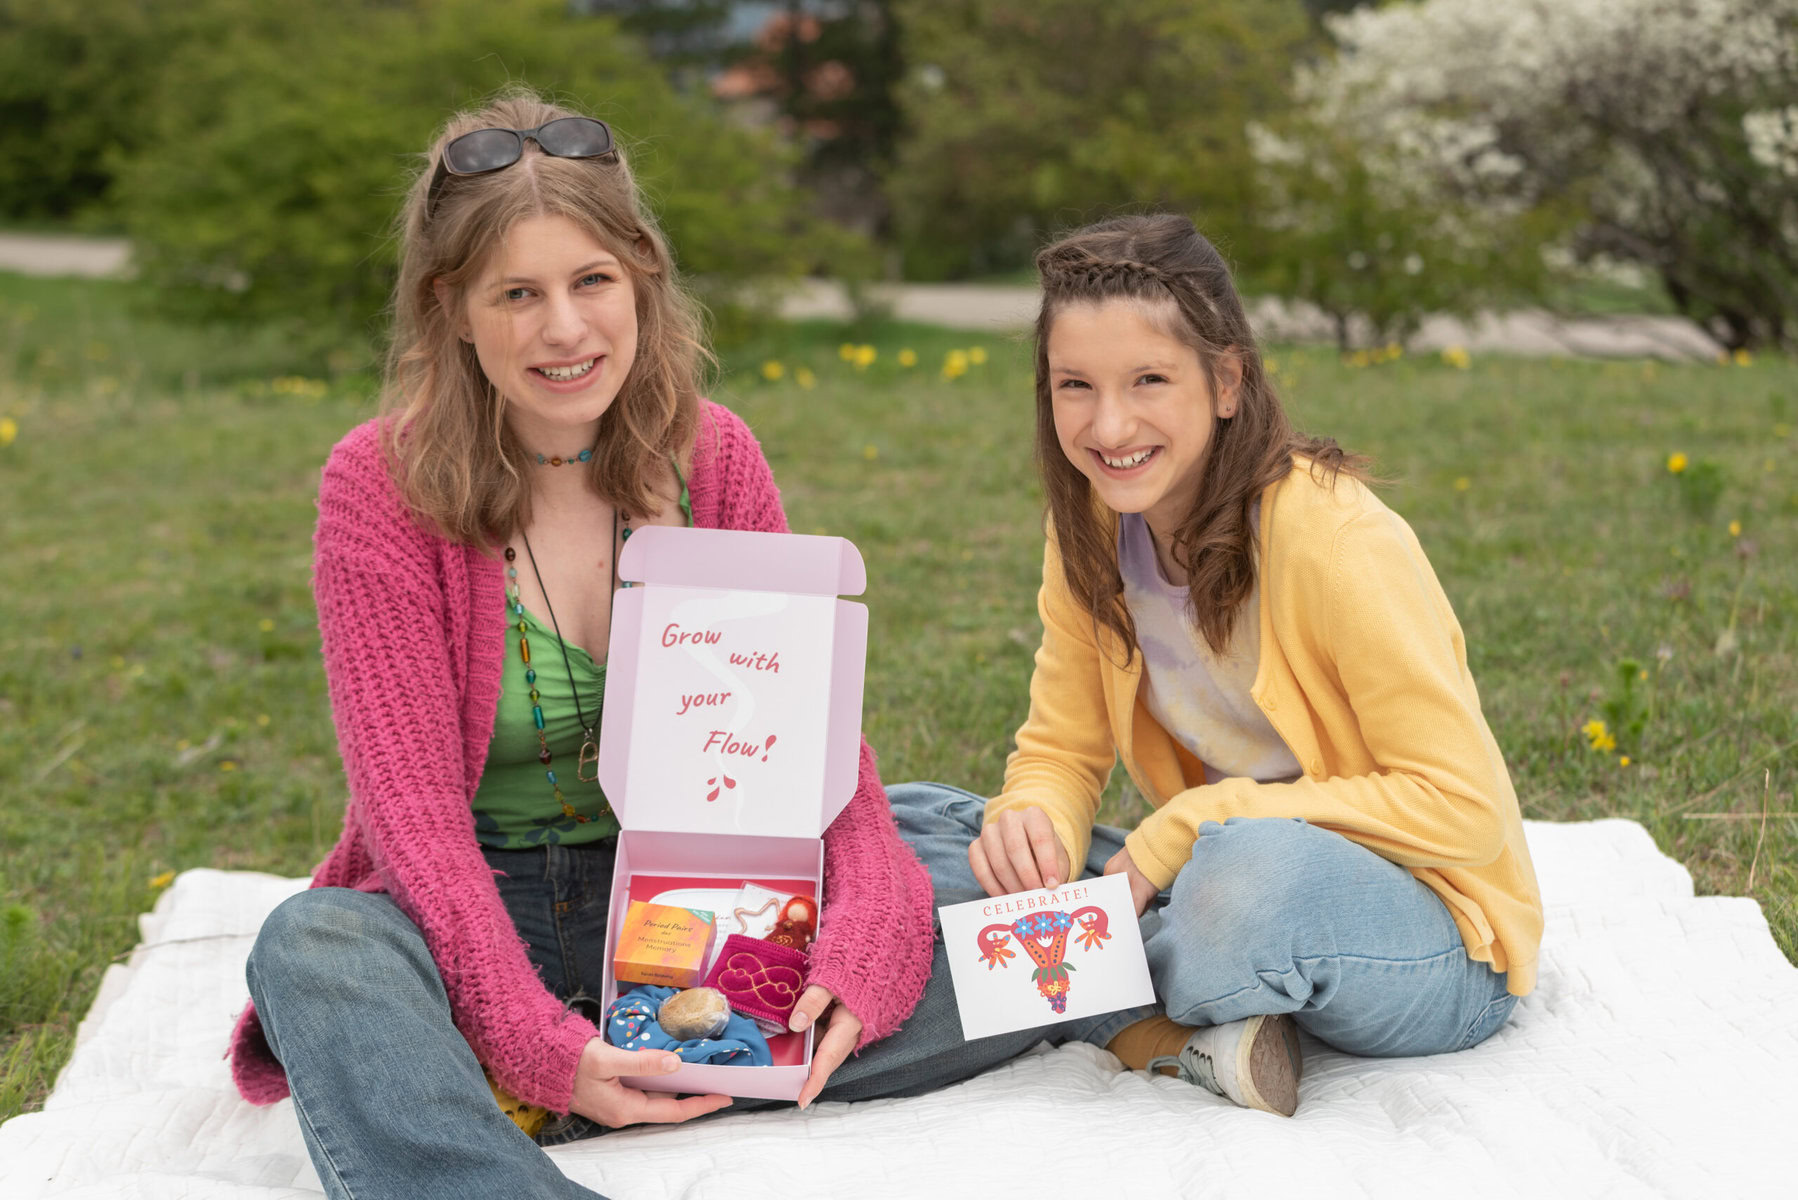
<point x="589" y="756"/>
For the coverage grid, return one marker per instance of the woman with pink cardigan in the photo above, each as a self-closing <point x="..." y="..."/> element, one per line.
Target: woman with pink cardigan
<point x="541" y="403"/>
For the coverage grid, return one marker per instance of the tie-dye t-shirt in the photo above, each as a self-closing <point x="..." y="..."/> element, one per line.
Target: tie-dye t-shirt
<point x="1201" y="698"/>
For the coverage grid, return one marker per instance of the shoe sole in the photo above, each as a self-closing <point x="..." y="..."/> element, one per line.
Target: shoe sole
<point x="1268" y="1064"/>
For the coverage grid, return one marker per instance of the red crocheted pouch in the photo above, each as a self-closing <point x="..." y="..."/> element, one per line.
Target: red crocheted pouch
<point x="761" y="980"/>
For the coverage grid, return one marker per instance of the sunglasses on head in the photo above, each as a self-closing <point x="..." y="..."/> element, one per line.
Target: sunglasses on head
<point x="485" y="150"/>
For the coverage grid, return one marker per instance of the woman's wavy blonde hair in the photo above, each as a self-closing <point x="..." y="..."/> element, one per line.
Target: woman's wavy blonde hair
<point x="452" y="455"/>
<point x="1155" y="259"/>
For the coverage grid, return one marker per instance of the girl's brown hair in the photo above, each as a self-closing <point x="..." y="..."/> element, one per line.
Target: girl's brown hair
<point x="1152" y="260"/>
<point x="453" y="457"/>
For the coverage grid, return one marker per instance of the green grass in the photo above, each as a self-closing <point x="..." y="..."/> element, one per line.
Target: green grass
<point x="163" y="707"/>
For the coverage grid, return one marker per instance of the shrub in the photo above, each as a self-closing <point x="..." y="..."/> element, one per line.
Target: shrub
<point x="1030" y="115"/>
<point x="1668" y="124"/>
<point x="73" y="81"/>
<point x="1373" y="249"/>
<point x="285" y="138"/>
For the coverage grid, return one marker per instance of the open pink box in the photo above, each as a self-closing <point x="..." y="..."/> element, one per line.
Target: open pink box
<point x="731" y="735"/>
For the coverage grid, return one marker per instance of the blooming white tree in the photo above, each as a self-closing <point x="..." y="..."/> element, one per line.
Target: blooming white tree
<point x="1668" y="128"/>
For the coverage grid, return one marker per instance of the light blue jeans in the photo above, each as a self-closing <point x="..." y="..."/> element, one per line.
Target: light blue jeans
<point x="390" y="1098"/>
<point x="1272" y="915"/>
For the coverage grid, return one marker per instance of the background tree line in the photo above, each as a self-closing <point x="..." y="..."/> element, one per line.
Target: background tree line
<point x="1382" y="162"/>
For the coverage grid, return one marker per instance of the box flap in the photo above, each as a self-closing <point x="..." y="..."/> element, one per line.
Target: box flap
<point x="734" y="558"/>
<point x="733" y="706"/>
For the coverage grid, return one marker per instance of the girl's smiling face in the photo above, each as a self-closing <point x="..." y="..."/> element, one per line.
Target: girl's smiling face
<point x="1133" y="407"/>
<point x="553" y="319"/>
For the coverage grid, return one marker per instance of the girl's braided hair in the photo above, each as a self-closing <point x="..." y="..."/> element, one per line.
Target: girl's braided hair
<point x="1164" y="263"/>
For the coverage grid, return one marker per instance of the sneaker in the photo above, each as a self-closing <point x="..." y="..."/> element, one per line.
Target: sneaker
<point x="1254" y="1062"/>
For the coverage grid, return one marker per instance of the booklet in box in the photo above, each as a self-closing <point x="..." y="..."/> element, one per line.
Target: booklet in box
<point x="731" y="734"/>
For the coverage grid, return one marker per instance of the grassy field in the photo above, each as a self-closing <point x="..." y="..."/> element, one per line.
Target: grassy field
<point x="162" y="705"/>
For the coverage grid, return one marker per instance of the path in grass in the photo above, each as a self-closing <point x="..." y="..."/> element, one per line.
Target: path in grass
<point x="162" y="704"/>
<point x="980" y="307"/>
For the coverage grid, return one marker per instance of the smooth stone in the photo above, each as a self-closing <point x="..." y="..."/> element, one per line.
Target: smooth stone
<point x="699" y="1012"/>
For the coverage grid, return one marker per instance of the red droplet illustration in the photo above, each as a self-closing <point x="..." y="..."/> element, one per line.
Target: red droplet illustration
<point x="767" y="746"/>
<point x="712" y="795"/>
<point x="729" y="782"/>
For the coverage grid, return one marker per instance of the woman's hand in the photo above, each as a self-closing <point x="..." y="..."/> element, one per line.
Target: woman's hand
<point x="599" y="1096"/>
<point x="842" y="1029"/>
<point x="1141" y="890"/>
<point x="1017" y="851"/>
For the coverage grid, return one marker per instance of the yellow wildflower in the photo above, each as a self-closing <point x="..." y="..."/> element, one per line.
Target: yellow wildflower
<point x="773" y="370"/>
<point x="267" y="625"/>
<point x="870" y="452"/>
<point x="1743" y="358"/>
<point x="1735" y="529"/>
<point x="955" y="364"/>
<point x="977" y="355"/>
<point x="1270" y="366"/>
<point x="1676" y="462"/>
<point x="804" y="378"/>
<point x="1463" y="483"/>
<point x="1457" y="357"/>
<point x="846" y="352"/>
<point x="1599" y="736"/>
<point x="865" y="356"/>
<point x="162" y="880"/>
<point x="9" y="431"/>
<point x="262" y="719"/>
<point x="1394" y="350"/>
<point x="227" y="765"/>
<point x="1623" y="761"/>
<point x="908" y="357"/>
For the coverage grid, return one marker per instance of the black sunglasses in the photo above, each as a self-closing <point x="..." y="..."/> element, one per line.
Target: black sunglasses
<point x="486" y="150"/>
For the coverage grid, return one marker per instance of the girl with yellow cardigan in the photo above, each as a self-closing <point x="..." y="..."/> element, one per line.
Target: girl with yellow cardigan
<point x="1228" y="610"/>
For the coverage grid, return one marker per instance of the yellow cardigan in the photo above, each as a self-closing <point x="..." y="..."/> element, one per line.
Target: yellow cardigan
<point x="1363" y="674"/>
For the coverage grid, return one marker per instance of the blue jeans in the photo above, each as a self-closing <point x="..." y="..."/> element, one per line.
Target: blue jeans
<point x="390" y="1099"/>
<point x="1272" y="915"/>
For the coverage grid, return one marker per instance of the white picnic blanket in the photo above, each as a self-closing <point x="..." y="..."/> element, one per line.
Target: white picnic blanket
<point x="1657" y="1057"/>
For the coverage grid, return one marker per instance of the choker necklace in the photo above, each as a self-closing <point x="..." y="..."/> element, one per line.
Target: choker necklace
<point x="556" y="460"/>
<point x="589" y="756"/>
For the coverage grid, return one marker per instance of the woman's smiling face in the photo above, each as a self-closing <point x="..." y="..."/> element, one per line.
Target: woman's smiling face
<point x="553" y="318"/>
<point x="1133" y="408"/>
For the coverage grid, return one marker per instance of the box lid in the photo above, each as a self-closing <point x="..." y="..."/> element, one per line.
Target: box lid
<point x="734" y="682"/>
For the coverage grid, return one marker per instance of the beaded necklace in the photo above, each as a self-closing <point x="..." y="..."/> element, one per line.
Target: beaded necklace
<point x="589" y="756"/>
<point x="556" y="460"/>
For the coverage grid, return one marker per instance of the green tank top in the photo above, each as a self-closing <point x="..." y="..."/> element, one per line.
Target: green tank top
<point x="514" y="807"/>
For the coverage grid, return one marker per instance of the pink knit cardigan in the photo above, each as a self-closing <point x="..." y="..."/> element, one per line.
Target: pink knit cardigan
<point x="412" y="627"/>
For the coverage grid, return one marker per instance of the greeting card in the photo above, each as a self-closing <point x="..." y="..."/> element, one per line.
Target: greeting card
<point x="1039" y="958"/>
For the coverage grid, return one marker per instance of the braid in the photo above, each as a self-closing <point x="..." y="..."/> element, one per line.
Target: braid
<point x="1082" y="271"/>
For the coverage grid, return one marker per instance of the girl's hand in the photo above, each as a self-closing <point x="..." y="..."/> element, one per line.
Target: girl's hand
<point x="599" y="1096"/>
<point x="842" y="1029"/>
<point x="1017" y="851"/>
<point x="1141" y="890"/>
